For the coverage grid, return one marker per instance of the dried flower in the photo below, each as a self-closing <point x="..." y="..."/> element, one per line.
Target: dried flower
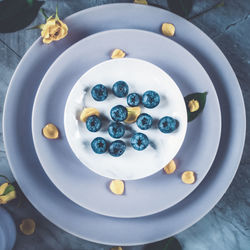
<point x="188" y="177"/>
<point x="133" y="113"/>
<point x="117" y="187"/>
<point x="168" y="29"/>
<point x="53" y="30"/>
<point x="27" y="226"/>
<point x="193" y="105"/>
<point x="141" y="1"/>
<point x="3" y="188"/>
<point x="170" y="167"/>
<point x="87" y="112"/>
<point x="7" y="193"/>
<point x="50" y="131"/>
<point x="117" y="53"/>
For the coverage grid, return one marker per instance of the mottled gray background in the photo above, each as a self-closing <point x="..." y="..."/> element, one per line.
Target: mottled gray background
<point x="227" y="226"/>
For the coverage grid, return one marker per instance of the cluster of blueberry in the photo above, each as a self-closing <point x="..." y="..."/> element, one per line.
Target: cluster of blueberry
<point x="119" y="113"/>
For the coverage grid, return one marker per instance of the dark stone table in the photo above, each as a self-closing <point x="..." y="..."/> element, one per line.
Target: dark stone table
<point x="227" y="226"/>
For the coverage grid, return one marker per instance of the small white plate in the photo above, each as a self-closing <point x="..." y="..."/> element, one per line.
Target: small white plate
<point x="140" y="77"/>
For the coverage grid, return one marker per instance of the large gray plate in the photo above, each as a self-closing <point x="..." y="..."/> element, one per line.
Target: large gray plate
<point x="148" y="195"/>
<point x="77" y="220"/>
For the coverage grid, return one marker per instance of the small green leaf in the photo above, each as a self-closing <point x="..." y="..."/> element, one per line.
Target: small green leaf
<point x="172" y="244"/>
<point x="168" y="244"/>
<point x="44" y="13"/>
<point x="180" y="7"/>
<point x="3" y="176"/>
<point x="17" y="14"/>
<point x="201" y="98"/>
<point x="9" y="189"/>
<point x="30" y="2"/>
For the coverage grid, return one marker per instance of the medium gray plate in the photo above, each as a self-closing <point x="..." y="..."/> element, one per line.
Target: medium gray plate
<point x="148" y="195"/>
<point x="7" y="230"/>
<point x="61" y="210"/>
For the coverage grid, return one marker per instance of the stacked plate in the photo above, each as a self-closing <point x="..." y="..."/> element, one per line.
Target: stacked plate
<point x="7" y="230"/>
<point x="67" y="183"/>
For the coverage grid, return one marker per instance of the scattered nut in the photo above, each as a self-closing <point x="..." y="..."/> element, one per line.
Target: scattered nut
<point x="193" y="105"/>
<point x="168" y="29"/>
<point x="27" y="226"/>
<point x="50" y="131"/>
<point x="116" y="248"/>
<point x="141" y="1"/>
<point x="133" y="113"/>
<point x="117" y="187"/>
<point x="87" y="112"/>
<point x="118" y="53"/>
<point x="188" y="177"/>
<point x="170" y="167"/>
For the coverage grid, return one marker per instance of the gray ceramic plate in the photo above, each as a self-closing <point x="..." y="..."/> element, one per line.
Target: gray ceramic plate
<point x="148" y="195"/>
<point x="61" y="210"/>
<point x="7" y="230"/>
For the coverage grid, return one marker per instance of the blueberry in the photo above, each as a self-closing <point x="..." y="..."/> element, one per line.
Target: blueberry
<point x="150" y="99"/>
<point x="167" y="124"/>
<point x="144" y="121"/>
<point x="139" y="141"/>
<point x="119" y="113"/>
<point x="133" y="99"/>
<point x="99" y="145"/>
<point x="99" y="92"/>
<point x="120" y="89"/>
<point x="117" y="148"/>
<point x="116" y="130"/>
<point x="93" y="123"/>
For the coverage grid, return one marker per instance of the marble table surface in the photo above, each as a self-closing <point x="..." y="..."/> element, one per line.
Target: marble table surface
<point x="227" y="226"/>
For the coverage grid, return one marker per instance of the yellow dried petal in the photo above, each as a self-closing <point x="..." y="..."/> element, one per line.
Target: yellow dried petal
<point x="133" y="113"/>
<point x="87" y="112"/>
<point x="8" y="197"/>
<point x="3" y="187"/>
<point x="168" y="29"/>
<point x="47" y="41"/>
<point x="116" y="248"/>
<point x="27" y="226"/>
<point x="118" y="53"/>
<point x="117" y="187"/>
<point x="50" y="131"/>
<point x="188" y="177"/>
<point x="141" y="1"/>
<point x="170" y="167"/>
<point x="193" y="105"/>
<point x="51" y="22"/>
<point x="45" y="33"/>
